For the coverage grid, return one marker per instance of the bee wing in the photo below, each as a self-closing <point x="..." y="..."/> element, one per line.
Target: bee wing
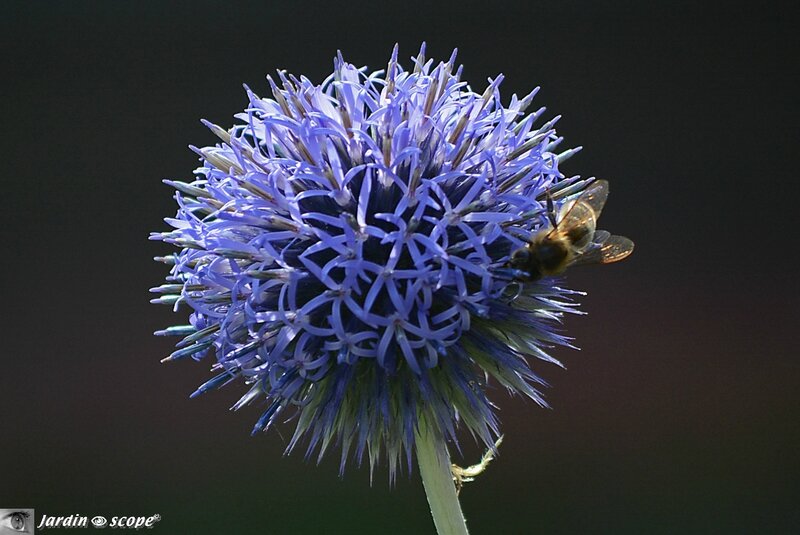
<point x="610" y="249"/>
<point x="594" y="196"/>
<point x="601" y="236"/>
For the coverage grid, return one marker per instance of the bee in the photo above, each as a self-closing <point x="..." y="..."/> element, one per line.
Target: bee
<point x="571" y="238"/>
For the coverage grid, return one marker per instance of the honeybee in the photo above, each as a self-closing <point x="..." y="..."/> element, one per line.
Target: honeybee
<point x="571" y="239"/>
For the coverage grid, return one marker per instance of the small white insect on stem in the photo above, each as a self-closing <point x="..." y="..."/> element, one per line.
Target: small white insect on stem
<point x="465" y="475"/>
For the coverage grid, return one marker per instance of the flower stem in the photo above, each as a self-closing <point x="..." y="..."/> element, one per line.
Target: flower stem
<point x="437" y="478"/>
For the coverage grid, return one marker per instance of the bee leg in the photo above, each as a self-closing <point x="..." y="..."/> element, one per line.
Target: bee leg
<point x="551" y="211"/>
<point x="465" y="475"/>
<point x="519" y="291"/>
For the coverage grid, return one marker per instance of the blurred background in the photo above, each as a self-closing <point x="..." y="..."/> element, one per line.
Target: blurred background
<point x="679" y="415"/>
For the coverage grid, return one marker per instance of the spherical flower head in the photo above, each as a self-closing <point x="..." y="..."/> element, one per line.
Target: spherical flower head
<point x="344" y="252"/>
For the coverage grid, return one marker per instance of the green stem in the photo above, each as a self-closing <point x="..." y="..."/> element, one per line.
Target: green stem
<point x="437" y="478"/>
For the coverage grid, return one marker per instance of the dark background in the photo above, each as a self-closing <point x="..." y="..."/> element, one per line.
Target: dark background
<point x="679" y="415"/>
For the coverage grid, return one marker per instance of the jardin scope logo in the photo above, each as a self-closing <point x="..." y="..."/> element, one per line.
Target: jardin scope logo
<point x="22" y="521"/>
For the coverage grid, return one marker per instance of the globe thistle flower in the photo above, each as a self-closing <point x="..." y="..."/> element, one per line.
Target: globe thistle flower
<point x="344" y="252"/>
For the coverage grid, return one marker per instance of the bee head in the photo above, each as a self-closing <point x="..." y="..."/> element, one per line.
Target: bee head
<point x="520" y="258"/>
<point x="525" y="262"/>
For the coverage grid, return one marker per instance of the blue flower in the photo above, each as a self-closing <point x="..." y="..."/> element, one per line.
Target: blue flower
<point x="344" y="252"/>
